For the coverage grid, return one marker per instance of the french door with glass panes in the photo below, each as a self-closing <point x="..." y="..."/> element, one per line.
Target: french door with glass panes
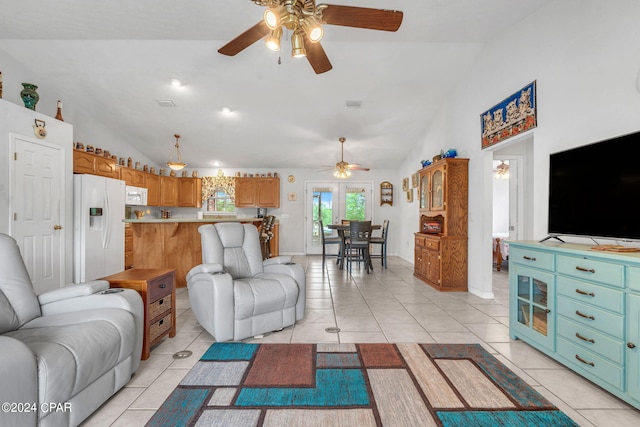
<point x="333" y="202"/>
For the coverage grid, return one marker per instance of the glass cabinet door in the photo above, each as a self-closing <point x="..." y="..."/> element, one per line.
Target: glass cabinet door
<point x="424" y="190"/>
<point x="437" y="183"/>
<point x="533" y="295"/>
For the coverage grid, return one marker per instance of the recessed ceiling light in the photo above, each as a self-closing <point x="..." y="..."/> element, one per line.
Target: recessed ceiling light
<point x="226" y="110"/>
<point x="216" y="163"/>
<point x="176" y="82"/>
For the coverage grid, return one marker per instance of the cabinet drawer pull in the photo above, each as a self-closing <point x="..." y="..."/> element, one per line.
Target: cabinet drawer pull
<point x="584" y="361"/>
<point x="162" y="286"/>
<point x="528" y="258"/>
<point x="631" y="345"/>
<point x="161" y="322"/>
<point x="581" y="292"/>
<point x="585" y="338"/>
<point x="584" y="315"/>
<point x="586" y="270"/>
<point x="160" y="301"/>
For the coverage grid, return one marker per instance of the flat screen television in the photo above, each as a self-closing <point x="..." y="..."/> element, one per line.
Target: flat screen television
<point x="594" y="190"/>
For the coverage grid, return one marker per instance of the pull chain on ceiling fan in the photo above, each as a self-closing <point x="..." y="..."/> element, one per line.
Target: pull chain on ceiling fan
<point x="305" y="20"/>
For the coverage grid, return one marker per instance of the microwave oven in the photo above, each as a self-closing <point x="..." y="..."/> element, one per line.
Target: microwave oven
<point x="136" y="196"/>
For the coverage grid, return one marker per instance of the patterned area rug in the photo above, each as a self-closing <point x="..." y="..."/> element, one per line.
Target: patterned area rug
<point x="236" y="384"/>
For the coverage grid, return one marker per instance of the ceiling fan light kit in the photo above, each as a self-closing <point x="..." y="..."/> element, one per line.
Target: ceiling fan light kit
<point x="305" y="20"/>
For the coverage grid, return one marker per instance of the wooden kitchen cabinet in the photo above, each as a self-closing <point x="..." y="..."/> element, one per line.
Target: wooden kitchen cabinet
<point x="158" y="291"/>
<point x="131" y="176"/>
<point x="84" y="162"/>
<point x="128" y="246"/>
<point x="152" y="183"/>
<point x="176" y="245"/>
<point x="190" y="192"/>
<point x="257" y="192"/>
<point x="169" y="191"/>
<point x="441" y="251"/>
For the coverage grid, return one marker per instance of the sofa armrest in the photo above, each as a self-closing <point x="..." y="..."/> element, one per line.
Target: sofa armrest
<point x="204" y="268"/>
<point x="125" y="299"/>
<point x="282" y="259"/>
<point x="19" y="373"/>
<point x="72" y="291"/>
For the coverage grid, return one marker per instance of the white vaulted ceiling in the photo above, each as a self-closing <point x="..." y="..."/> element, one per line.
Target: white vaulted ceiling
<point x="113" y="60"/>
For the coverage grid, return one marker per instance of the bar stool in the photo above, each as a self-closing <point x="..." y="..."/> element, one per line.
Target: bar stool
<point x="266" y="235"/>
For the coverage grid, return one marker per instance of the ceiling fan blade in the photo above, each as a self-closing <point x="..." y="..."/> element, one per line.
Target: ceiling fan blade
<point x="362" y="17"/>
<point x="245" y="39"/>
<point x="357" y="168"/>
<point x="317" y="57"/>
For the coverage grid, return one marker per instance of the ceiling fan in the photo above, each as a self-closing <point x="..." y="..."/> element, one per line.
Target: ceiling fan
<point x="343" y="169"/>
<point x="305" y="20"/>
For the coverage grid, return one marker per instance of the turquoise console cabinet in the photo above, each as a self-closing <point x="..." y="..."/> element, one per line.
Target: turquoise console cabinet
<point x="581" y="307"/>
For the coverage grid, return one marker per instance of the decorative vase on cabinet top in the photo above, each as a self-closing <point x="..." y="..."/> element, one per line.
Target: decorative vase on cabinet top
<point x="29" y="95"/>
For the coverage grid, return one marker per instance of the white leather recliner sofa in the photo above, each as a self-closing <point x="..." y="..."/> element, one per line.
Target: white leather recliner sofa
<point x="234" y="294"/>
<point x="65" y="352"/>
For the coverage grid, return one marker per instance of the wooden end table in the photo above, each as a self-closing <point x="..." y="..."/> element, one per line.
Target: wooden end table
<point x="157" y="287"/>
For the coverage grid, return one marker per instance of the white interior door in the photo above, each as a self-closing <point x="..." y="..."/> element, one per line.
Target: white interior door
<point x="334" y="201"/>
<point x="37" y="203"/>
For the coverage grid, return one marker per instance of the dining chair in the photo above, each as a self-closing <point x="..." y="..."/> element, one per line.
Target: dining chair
<point x="266" y="234"/>
<point x="357" y="244"/>
<point x="330" y="241"/>
<point x="382" y="241"/>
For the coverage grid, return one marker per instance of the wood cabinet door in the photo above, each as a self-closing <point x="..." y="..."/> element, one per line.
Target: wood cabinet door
<point x="169" y="191"/>
<point x="433" y="266"/>
<point x="190" y="192"/>
<point x="127" y="175"/>
<point x="106" y="167"/>
<point x="152" y="182"/>
<point x="268" y="193"/>
<point x="437" y="189"/>
<point x="246" y="192"/>
<point x="83" y="162"/>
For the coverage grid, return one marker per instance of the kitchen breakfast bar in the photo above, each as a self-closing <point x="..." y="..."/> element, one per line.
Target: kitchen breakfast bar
<point x="175" y="243"/>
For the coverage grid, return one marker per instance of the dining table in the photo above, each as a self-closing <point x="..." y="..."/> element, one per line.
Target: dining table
<point x="341" y="228"/>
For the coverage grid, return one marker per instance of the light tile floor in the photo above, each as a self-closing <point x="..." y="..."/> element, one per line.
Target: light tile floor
<point x="388" y="305"/>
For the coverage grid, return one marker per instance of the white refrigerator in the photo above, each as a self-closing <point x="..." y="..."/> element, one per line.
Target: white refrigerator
<point x="98" y="230"/>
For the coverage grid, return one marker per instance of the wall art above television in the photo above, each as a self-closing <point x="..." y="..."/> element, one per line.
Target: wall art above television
<point x="510" y="117"/>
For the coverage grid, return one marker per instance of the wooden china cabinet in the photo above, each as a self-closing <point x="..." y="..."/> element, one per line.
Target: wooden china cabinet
<point x="441" y="242"/>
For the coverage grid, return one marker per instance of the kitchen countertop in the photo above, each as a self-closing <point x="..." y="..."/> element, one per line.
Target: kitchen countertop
<point x="204" y="220"/>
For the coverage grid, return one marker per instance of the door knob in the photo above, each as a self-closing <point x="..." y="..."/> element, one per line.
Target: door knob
<point x="57" y="227"/>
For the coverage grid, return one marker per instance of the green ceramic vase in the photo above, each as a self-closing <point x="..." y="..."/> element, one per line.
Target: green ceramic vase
<point x="29" y="95"/>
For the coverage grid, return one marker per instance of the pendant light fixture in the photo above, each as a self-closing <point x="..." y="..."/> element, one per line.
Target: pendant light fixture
<point x="178" y="164"/>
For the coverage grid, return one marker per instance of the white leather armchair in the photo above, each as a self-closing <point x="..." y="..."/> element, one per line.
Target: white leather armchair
<point x="234" y="294"/>
<point x="64" y="352"/>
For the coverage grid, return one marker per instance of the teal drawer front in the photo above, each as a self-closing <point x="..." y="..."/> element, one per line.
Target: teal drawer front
<point x="585" y="360"/>
<point x="591" y="340"/>
<point x="590" y="316"/>
<point x="589" y="269"/>
<point x="532" y="258"/>
<point x="633" y="278"/>
<point x="590" y="293"/>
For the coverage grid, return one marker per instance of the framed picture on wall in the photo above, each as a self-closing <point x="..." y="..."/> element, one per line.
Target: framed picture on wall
<point x="405" y="184"/>
<point x="415" y="179"/>
<point x="410" y="195"/>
